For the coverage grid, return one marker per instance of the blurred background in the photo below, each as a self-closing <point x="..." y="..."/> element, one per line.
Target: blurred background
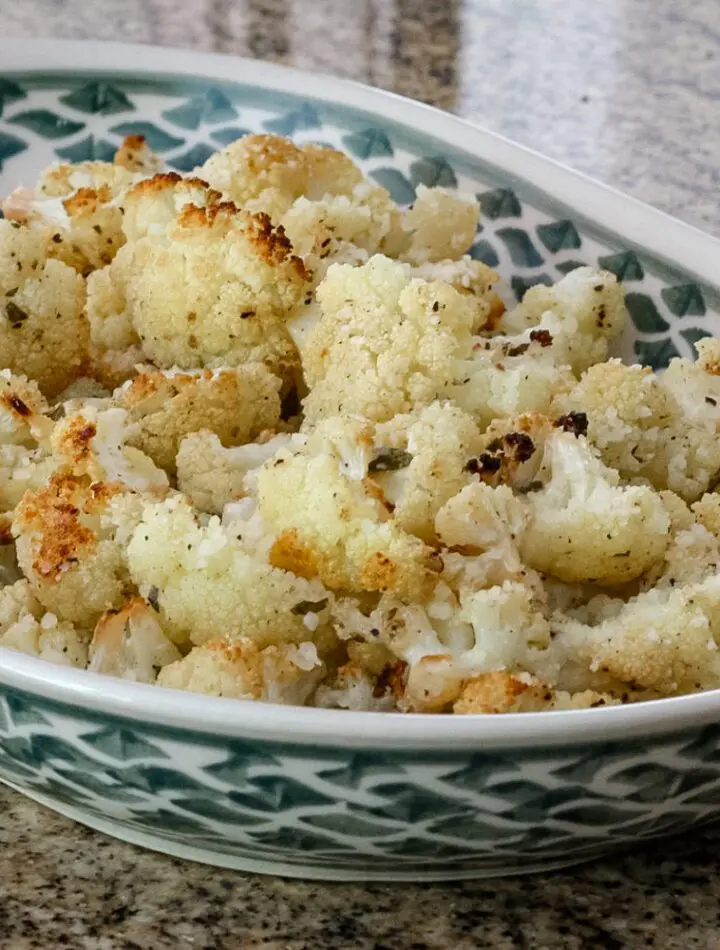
<point x="625" y="90"/>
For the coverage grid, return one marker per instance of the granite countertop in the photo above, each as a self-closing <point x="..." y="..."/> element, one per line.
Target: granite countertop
<point x="625" y="90"/>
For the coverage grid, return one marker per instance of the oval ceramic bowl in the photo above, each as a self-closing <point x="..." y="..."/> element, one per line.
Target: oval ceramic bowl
<point x="332" y="794"/>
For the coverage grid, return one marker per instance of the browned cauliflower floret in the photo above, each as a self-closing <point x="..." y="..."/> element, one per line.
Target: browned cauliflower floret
<point x="240" y="669"/>
<point x="268" y="173"/>
<point x="213" y="291"/>
<point x="130" y="643"/>
<point x="329" y="520"/>
<point x="206" y="584"/>
<point x="96" y="443"/>
<point x="135" y="155"/>
<point x="385" y="343"/>
<point x="512" y="450"/>
<point x="163" y="407"/>
<point x="521" y="692"/>
<point x="67" y="547"/>
<point x="584" y="525"/>
<point x="420" y="461"/>
<point x="43" y="332"/>
<point x="582" y="312"/>
<point x="152" y="205"/>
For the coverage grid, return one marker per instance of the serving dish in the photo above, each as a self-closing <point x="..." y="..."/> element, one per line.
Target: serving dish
<point x="330" y="794"/>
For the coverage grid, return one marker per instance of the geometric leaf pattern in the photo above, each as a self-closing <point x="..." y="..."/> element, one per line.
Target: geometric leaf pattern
<point x="337" y="809"/>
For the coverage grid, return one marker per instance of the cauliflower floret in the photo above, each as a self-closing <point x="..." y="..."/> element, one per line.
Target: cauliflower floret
<point x="343" y="228"/>
<point x="93" y="442"/>
<point x="585" y="526"/>
<point x="443" y="646"/>
<point x="23" y="409"/>
<point x="214" y="291"/>
<point x="482" y="526"/>
<point x="268" y="173"/>
<point x="236" y="404"/>
<point x="152" y="205"/>
<point x="43" y="332"/>
<point x="384" y="343"/>
<point x="22" y="470"/>
<point x="213" y="476"/>
<point x="438" y="226"/>
<point x="79" y="206"/>
<point x="329" y="521"/>
<point x="17" y="601"/>
<point x="238" y="669"/>
<point x="512" y="450"/>
<point x="664" y="640"/>
<point x="472" y="278"/>
<point x="583" y="312"/>
<point x="492" y="693"/>
<point x="420" y="462"/>
<point x="135" y="155"/>
<point x="69" y="548"/>
<point x="207" y="583"/>
<point x="629" y="414"/>
<point x="509" y="377"/>
<point x="707" y="512"/>
<point x="131" y="644"/>
<point x="44" y="636"/>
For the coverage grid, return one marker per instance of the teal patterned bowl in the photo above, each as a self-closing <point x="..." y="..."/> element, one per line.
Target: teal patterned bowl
<point x="333" y="794"/>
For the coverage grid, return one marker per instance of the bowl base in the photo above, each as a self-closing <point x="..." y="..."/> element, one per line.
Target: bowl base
<point x="307" y="872"/>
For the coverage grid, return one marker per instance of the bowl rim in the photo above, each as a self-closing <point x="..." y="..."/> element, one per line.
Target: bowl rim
<point x="660" y="234"/>
<point x="71" y="689"/>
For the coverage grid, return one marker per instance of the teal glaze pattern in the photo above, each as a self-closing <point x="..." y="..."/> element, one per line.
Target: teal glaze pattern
<point x="334" y="808"/>
<point x="527" y="236"/>
<point x="333" y="811"/>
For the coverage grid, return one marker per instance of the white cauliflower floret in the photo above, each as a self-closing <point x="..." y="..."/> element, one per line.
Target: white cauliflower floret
<point x="438" y="226"/>
<point x="239" y="669"/>
<point x="94" y="443"/>
<point x="21" y="470"/>
<point x="237" y="404"/>
<point x="420" y="462"/>
<point x="662" y="428"/>
<point x="508" y="377"/>
<point x="69" y="549"/>
<point x="214" y="291"/>
<point x="629" y="414"/>
<point x="43" y="331"/>
<point x="583" y="312"/>
<point x="213" y="476"/>
<point x="17" y="601"/>
<point x="130" y="643"/>
<point x="585" y="526"/>
<point x="268" y="173"/>
<point x="329" y="521"/>
<point x="665" y="640"/>
<point x="343" y="228"/>
<point x="482" y="527"/>
<point x="384" y="343"/>
<point x="471" y="278"/>
<point x="207" y="584"/>
<point x="44" y="636"/>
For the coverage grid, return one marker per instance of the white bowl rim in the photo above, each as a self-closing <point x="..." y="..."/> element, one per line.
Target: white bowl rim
<point x="665" y="237"/>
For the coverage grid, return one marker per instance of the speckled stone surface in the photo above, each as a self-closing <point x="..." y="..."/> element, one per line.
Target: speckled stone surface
<point x="625" y="90"/>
